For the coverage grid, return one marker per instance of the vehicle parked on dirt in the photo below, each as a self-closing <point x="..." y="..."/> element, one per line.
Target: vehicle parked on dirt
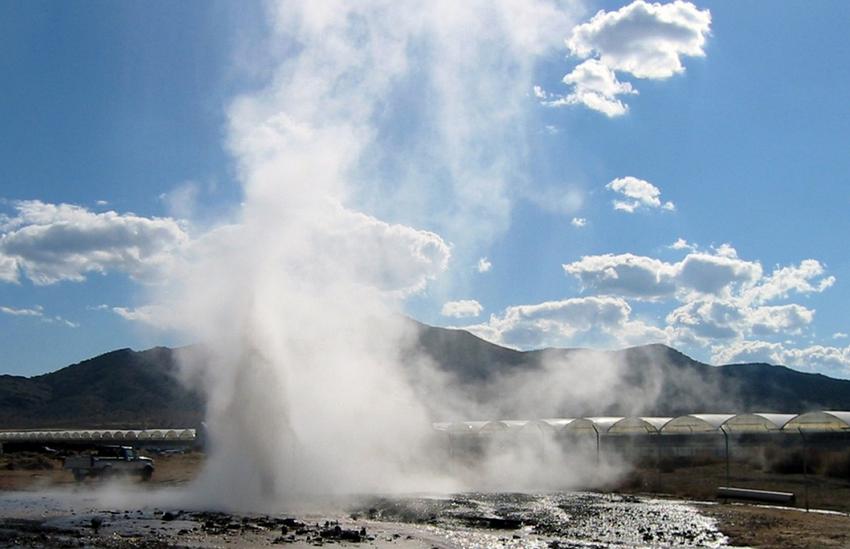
<point x="110" y="461"/>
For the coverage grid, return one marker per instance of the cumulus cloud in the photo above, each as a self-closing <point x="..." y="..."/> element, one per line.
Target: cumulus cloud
<point x="720" y="296"/>
<point x="625" y="274"/>
<point x="642" y="40"/>
<point x="839" y="335"/>
<point x="822" y="358"/>
<point x="53" y="242"/>
<point x="484" y="265"/>
<point x="578" y="222"/>
<point x="638" y="193"/>
<point x="563" y="323"/>
<point x="390" y="257"/>
<point x="462" y="308"/>
<point x="732" y="318"/>
<point x="805" y="278"/>
<point x="649" y="278"/>
<point x="595" y="86"/>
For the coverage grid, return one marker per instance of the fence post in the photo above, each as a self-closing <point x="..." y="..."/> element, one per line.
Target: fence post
<point x="726" y="440"/>
<point x="805" y="468"/>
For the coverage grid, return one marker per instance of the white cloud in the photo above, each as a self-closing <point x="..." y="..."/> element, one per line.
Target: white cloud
<point x="596" y="87"/>
<point x="642" y="39"/>
<point x="625" y="274"/>
<point x="64" y="321"/>
<point x="640" y="194"/>
<point x="484" y="265"/>
<point x="716" y="274"/>
<point x="8" y="268"/>
<point x="36" y="311"/>
<point x="682" y="244"/>
<point x="821" y="358"/>
<point x="102" y="203"/>
<point x="53" y="242"/>
<point x="463" y="308"/>
<point x="146" y="314"/>
<point x="578" y="222"/>
<point x="805" y="278"/>
<point x="540" y="93"/>
<point x="390" y="257"/>
<point x="712" y="318"/>
<point x="604" y="320"/>
<point x="839" y="335"/>
<point x="721" y="296"/>
<point x="649" y="278"/>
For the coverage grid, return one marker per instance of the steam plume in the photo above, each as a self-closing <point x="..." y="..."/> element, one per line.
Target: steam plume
<point x="387" y="140"/>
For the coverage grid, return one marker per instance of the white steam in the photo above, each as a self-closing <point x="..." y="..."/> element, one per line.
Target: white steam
<point x="378" y="117"/>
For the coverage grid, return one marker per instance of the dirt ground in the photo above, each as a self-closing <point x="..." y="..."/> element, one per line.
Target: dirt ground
<point x="29" y="470"/>
<point x="744" y="524"/>
<point x="752" y="526"/>
<point x="701" y="482"/>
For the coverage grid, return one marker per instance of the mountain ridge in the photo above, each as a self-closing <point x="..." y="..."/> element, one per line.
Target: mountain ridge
<point x="124" y="388"/>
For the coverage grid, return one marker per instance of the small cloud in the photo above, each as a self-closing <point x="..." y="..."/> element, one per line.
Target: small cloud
<point x="596" y="87"/>
<point x="464" y="308"/>
<point x="484" y="265"/>
<point x="551" y="130"/>
<point x="540" y="93"/>
<point x="144" y="314"/>
<point x="839" y="335"/>
<point x="102" y="203"/>
<point x="65" y="322"/>
<point x="682" y="244"/>
<point x="35" y="311"/>
<point x="578" y="222"/>
<point x="638" y="194"/>
<point x="101" y="307"/>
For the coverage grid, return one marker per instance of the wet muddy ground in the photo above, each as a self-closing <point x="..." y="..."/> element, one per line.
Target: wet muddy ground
<point x="74" y="519"/>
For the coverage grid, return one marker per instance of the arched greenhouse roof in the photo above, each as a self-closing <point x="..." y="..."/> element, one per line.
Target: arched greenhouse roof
<point x="754" y="423"/>
<point x="696" y="423"/>
<point x="545" y="425"/>
<point x="633" y="425"/>
<point x="819" y="421"/>
<point x="598" y="424"/>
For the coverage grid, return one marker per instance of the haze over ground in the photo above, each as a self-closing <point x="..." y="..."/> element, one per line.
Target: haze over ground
<point x="688" y="187"/>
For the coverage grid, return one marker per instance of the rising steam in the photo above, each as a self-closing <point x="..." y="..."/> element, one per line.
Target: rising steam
<point x="388" y="141"/>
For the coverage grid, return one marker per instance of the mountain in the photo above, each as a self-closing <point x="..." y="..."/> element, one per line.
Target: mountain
<point x="123" y="388"/>
<point x="127" y="388"/>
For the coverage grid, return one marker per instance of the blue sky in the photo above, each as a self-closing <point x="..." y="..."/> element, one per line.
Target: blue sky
<point x="734" y="146"/>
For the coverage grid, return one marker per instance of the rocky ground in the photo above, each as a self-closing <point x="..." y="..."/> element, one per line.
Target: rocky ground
<point x="41" y="505"/>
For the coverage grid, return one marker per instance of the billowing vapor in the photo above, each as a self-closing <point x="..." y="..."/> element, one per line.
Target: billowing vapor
<point x="387" y="143"/>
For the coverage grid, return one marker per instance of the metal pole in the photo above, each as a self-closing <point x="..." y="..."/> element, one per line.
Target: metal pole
<point x="726" y="439"/>
<point x="658" y="461"/>
<point x="805" y="468"/>
<point x="595" y="430"/>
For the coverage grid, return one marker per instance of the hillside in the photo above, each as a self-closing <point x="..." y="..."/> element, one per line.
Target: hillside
<point x="127" y="388"/>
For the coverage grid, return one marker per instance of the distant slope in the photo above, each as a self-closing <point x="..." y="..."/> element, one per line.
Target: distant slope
<point x="123" y="388"/>
<point x="126" y="388"/>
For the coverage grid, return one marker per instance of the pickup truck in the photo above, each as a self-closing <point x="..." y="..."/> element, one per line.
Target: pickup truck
<point x="108" y="461"/>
